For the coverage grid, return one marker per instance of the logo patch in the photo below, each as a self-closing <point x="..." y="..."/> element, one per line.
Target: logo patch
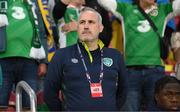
<point x="154" y="12"/>
<point x="74" y="60"/>
<point x="107" y="61"/>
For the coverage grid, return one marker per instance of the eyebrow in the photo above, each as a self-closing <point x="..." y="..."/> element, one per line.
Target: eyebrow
<point x="89" y="21"/>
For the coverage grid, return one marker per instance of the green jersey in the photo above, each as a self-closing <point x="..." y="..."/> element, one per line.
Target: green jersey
<point x="19" y="30"/>
<point x="141" y="42"/>
<point x="71" y="13"/>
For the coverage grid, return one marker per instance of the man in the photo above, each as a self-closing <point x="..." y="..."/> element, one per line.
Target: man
<point x="142" y="47"/>
<point x="167" y="94"/>
<point x="90" y="76"/>
<point x="24" y="57"/>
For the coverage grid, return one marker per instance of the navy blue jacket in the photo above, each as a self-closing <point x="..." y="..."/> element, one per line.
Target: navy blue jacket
<point x="66" y="73"/>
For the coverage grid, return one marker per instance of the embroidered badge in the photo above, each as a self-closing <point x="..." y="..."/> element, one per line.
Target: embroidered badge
<point x="154" y="12"/>
<point x="74" y="60"/>
<point x="107" y="61"/>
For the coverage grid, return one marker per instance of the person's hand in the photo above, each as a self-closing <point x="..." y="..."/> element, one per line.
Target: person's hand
<point x="3" y="20"/>
<point x="65" y="28"/>
<point x="72" y="26"/>
<point x="175" y="40"/>
<point x="42" y="69"/>
<point x="66" y="2"/>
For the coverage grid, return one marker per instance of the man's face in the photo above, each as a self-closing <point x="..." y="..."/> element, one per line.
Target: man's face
<point x="89" y="26"/>
<point x="169" y="97"/>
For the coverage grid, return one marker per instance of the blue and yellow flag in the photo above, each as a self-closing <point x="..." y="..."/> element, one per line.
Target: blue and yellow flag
<point x="43" y="6"/>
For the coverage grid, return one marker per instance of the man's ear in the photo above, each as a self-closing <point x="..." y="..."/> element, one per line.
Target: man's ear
<point x="156" y="97"/>
<point x="101" y="28"/>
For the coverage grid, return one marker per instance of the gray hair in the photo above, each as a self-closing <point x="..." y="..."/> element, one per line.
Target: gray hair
<point x="92" y="10"/>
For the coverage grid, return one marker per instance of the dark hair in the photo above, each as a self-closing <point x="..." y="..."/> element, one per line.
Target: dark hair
<point x="161" y="83"/>
<point x="136" y="2"/>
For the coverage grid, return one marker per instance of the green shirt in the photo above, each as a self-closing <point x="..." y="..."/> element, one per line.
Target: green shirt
<point x="19" y="31"/>
<point x="71" y="13"/>
<point x="141" y="42"/>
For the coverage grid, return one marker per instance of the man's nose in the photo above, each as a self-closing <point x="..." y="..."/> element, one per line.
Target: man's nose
<point x="174" y="98"/>
<point x="86" y="25"/>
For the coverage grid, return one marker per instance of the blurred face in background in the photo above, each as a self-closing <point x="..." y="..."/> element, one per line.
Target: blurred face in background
<point x="146" y="3"/>
<point x="79" y="2"/>
<point x="169" y="97"/>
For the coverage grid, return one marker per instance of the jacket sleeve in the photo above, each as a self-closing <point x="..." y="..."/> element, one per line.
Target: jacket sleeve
<point x="52" y="83"/>
<point x="59" y="10"/>
<point x="122" y="83"/>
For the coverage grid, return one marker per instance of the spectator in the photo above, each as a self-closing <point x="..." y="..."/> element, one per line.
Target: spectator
<point x="90" y="76"/>
<point x="167" y="94"/>
<point x="142" y="47"/>
<point x="25" y="54"/>
<point x="71" y="14"/>
<point x="170" y="27"/>
<point x="175" y="42"/>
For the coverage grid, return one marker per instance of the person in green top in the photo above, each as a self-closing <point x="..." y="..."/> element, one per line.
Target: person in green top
<point x="141" y="47"/>
<point x="72" y="14"/>
<point x="25" y="54"/>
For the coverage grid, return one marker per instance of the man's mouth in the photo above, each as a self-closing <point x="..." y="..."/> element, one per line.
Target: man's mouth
<point x="86" y="32"/>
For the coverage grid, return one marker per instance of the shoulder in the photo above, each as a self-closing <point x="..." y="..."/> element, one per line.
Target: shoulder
<point x="65" y="52"/>
<point x="114" y="56"/>
<point x="112" y="52"/>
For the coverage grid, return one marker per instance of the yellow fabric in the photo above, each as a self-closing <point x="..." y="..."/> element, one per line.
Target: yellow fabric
<point x="50" y="55"/>
<point x="117" y="36"/>
<point x="101" y="45"/>
<point x="170" y="62"/>
<point x="171" y="56"/>
<point x="45" y="15"/>
<point x="169" y="68"/>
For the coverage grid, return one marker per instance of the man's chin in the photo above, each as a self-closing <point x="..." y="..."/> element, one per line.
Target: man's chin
<point x="85" y="39"/>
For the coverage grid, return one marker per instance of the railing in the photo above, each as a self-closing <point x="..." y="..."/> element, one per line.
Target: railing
<point x="20" y="86"/>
